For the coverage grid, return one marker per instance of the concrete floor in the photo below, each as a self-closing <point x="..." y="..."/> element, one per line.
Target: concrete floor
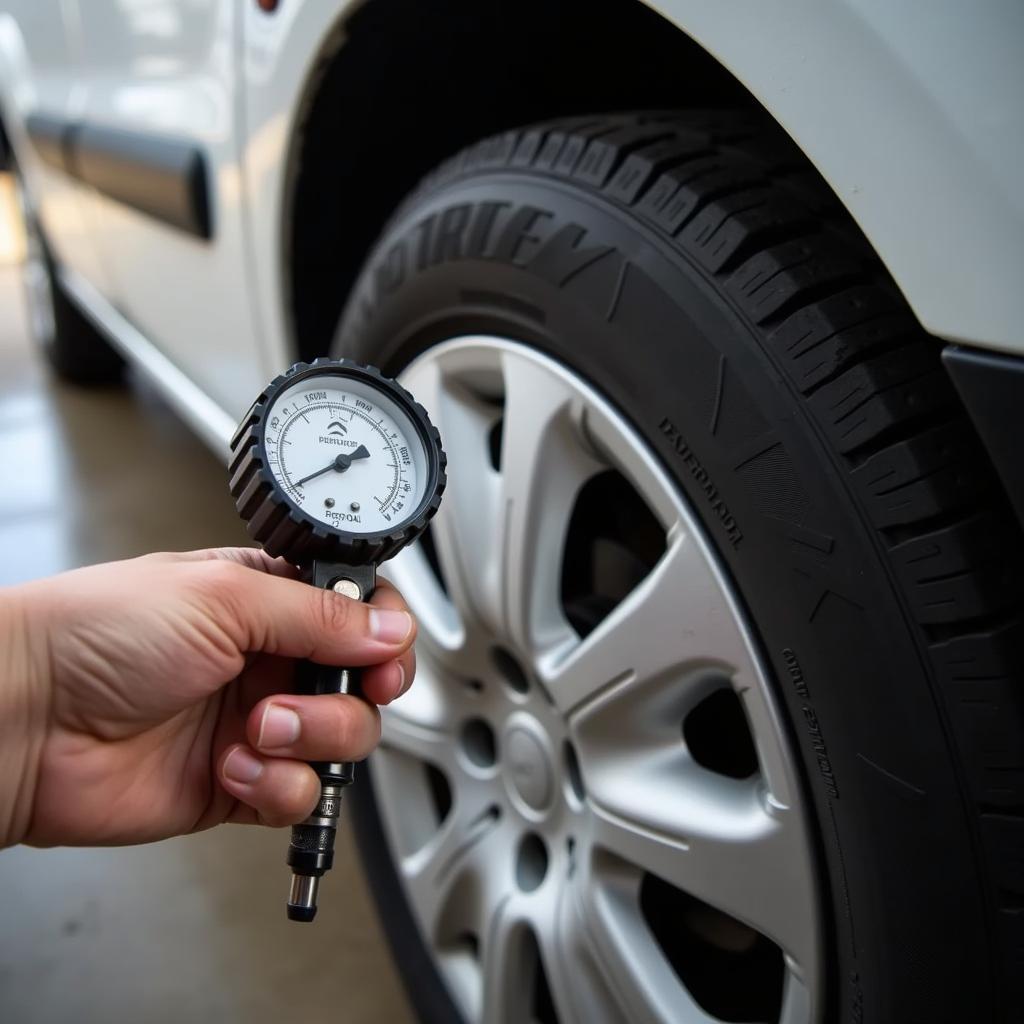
<point x="191" y="929"/>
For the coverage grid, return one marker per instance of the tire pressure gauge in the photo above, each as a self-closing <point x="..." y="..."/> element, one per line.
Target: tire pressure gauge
<point x="335" y="468"/>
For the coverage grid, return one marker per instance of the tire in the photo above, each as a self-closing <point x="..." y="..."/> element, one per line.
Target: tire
<point x="694" y="272"/>
<point x="72" y="346"/>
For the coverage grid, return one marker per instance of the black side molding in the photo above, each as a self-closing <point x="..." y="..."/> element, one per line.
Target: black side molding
<point x="992" y="388"/>
<point x="163" y="177"/>
<point x="49" y="137"/>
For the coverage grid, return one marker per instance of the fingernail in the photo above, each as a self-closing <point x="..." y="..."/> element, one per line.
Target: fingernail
<point x="279" y="728"/>
<point x="400" y="688"/>
<point x="389" y="626"/>
<point x="241" y="766"/>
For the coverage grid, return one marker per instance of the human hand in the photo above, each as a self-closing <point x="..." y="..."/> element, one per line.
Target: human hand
<point x="149" y="698"/>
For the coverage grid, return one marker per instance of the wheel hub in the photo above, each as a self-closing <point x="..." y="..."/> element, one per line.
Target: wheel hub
<point x="529" y="772"/>
<point x="577" y="825"/>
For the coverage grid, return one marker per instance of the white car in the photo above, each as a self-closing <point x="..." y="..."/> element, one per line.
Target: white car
<point x="719" y="310"/>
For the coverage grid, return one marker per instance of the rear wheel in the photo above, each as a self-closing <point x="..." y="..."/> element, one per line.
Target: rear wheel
<point x="716" y="718"/>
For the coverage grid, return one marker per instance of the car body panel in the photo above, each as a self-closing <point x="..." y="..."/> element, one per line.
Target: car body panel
<point x="911" y="112"/>
<point x="884" y="100"/>
<point x="39" y="69"/>
<point x="281" y="55"/>
<point x="169" y="68"/>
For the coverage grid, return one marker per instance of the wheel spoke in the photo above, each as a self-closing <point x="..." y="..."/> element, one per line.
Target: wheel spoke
<point x="723" y="843"/>
<point x="543" y="466"/>
<point x="440" y="627"/>
<point x="507" y="970"/>
<point x="796" y="999"/>
<point x="466" y="525"/>
<point x="644" y="985"/>
<point x="675" y="617"/>
<point x="452" y="879"/>
<point x="576" y="977"/>
<point x="420" y="722"/>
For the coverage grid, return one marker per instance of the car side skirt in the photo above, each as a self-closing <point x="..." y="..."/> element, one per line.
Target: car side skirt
<point x="212" y="423"/>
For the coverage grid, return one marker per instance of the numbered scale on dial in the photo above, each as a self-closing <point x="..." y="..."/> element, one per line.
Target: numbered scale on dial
<point x="335" y="468"/>
<point x="345" y="455"/>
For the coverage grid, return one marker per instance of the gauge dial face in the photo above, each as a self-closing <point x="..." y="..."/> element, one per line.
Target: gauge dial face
<point x="346" y="453"/>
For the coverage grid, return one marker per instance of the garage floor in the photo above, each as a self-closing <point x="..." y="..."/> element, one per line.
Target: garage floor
<point x="191" y="929"/>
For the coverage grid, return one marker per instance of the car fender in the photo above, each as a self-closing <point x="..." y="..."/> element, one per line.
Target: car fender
<point x="910" y="112"/>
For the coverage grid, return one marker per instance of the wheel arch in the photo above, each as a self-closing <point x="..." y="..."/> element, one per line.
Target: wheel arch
<point x="350" y="164"/>
<point x="865" y="92"/>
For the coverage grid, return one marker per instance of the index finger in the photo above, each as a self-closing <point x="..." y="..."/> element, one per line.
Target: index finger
<point x="261" y="612"/>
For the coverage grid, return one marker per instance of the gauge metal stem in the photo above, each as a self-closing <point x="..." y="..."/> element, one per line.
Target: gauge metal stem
<point x="311" y="850"/>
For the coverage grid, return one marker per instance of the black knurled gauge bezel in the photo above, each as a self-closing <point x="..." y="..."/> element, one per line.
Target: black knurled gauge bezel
<point x="280" y="526"/>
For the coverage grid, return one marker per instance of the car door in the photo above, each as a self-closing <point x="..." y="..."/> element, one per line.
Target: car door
<point x="40" y="54"/>
<point x="159" y="143"/>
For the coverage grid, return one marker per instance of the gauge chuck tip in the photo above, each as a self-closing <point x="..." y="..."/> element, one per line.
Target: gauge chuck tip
<point x="302" y="897"/>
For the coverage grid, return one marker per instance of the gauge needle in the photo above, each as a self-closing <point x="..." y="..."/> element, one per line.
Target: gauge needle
<point x="340" y="463"/>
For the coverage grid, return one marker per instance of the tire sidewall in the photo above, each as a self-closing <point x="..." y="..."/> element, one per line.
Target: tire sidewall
<point x="666" y="346"/>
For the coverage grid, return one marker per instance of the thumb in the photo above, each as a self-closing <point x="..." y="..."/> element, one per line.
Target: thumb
<point x="282" y="616"/>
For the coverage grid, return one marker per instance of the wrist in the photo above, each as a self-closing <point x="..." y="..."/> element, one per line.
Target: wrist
<point x="24" y="711"/>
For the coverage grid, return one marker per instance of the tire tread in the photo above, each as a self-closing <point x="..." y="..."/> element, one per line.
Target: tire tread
<point x="740" y="200"/>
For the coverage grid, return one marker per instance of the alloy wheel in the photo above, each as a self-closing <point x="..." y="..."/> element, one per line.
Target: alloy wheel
<point x="588" y="793"/>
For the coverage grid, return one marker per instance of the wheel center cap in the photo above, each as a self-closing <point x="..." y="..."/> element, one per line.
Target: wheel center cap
<point x="528" y="768"/>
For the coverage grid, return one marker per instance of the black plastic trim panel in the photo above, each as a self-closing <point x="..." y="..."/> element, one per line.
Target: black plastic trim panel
<point x="49" y="137"/>
<point x="163" y="177"/>
<point x="992" y="388"/>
